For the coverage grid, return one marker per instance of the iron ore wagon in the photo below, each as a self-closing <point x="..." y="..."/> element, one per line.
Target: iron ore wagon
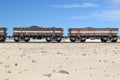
<point x="36" y="32"/>
<point x="104" y="34"/>
<point x="3" y="34"/>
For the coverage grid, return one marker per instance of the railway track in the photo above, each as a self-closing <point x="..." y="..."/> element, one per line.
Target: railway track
<point x="65" y="39"/>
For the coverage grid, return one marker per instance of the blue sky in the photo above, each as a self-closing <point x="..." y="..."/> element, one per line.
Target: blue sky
<point x="59" y="13"/>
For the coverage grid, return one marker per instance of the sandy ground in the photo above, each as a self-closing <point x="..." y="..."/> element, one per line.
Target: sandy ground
<point x="60" y="61"/>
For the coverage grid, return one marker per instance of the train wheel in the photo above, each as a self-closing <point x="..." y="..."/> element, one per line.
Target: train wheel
<point x="2" y="39"/>
<point x="72" y="39"/>
<point x="48" y="39"/>
<point x="83" y="39"/>
<point x="16" y="39"/>
<point x="104" y="39"/>
<point x="58" y="39"/>
<point x="114" y="40"/>
<point x="26" y="39"/>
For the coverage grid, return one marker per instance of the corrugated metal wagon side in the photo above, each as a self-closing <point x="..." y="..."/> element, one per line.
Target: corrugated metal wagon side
<point x="3" y="34"/>
<point x="104" y="34"/>
<point x="36" y="32"/>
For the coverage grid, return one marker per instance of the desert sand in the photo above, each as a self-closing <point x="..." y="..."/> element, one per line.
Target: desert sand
<point x="59" y="61"/>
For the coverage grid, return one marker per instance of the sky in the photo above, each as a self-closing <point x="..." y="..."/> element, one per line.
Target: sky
<point x="60" y="13"/>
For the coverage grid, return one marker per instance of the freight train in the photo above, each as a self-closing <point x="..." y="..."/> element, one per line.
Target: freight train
<point x="53" y="33"/>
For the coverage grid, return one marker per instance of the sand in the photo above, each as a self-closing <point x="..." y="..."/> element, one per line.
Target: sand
<point x="59" y="61"/>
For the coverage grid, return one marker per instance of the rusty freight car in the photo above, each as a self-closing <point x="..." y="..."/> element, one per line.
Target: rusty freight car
<point x="3" y="34"/>
<point x="104" y="34"/>
<point x="36" y="32"/>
